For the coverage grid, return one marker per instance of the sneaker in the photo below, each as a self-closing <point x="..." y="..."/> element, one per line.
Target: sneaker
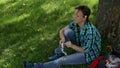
<point x="56" y="56"/>
<point x="27" y="65"/>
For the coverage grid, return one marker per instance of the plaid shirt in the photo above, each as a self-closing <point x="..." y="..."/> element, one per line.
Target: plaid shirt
<point x="88" y="38"/>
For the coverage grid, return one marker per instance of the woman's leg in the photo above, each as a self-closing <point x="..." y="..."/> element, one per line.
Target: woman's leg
<point x="73" y="59"/>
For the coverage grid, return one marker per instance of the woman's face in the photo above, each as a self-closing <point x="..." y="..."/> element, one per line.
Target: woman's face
<point x="78" y="17"/>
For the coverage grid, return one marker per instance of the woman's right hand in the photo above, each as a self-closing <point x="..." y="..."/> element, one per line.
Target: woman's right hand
<point x="62" y="41"/>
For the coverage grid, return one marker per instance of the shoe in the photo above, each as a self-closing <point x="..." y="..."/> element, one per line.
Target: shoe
<point x="26" y="64"/>
<point x="56" y="56"/>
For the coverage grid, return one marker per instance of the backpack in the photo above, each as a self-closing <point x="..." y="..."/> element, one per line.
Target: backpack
<point x="95" y="62"/>
<point x="112" y="59"/>
<point x="109" y="61"/>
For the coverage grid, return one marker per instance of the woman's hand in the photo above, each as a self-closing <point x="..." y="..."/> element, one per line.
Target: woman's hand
<point x="68" y="44"/>
<point x="62" y="40"/>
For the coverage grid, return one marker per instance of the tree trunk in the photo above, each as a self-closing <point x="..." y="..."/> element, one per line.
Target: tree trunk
<point x="108" y="20"/>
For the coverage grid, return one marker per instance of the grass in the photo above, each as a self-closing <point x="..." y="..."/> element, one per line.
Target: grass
<point x="29" y="29"/>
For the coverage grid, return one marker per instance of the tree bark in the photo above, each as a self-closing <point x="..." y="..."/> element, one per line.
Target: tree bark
<point x="108" y="20"/>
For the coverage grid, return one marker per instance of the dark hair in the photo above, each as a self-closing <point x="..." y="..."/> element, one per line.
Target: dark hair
<point x="85" y="10"/>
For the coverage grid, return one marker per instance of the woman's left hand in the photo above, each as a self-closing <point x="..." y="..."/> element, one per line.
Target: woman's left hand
<point x="68" y="44"/>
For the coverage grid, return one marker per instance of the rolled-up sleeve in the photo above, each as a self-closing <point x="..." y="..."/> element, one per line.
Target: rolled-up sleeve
<point x="88" y="43"/>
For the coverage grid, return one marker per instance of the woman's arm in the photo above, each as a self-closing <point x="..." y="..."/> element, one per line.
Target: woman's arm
<point x="62" y="32"/>
<point x="62" y="37"/>
<point x="75" y="47"/>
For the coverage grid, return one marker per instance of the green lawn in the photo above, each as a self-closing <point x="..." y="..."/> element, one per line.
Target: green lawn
<point x="29" y="29"/>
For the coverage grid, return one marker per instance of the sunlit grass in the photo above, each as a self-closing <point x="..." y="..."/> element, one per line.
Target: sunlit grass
<point x="7" y="7"/>
<point x="17" y="19"/>
<point x="3" y="1"/>
<point x="50" y="7"/>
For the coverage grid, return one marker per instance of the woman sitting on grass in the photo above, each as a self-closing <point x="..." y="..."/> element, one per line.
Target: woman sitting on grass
<point x="80" y="35"/>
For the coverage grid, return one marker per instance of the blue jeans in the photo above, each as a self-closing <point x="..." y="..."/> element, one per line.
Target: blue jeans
<point x="73" y="59"/>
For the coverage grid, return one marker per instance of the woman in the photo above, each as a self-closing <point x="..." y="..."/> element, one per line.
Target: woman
<point x="80" y="35"/>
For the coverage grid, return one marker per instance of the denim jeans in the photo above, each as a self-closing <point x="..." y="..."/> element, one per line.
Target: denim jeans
<point x="73" y="59"/>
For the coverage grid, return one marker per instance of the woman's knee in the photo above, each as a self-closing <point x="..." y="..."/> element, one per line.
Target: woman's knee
<point x="69" y="32"/>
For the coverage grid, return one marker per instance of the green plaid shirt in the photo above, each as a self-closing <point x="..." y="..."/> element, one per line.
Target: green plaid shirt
<point x="89" y="39"/>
